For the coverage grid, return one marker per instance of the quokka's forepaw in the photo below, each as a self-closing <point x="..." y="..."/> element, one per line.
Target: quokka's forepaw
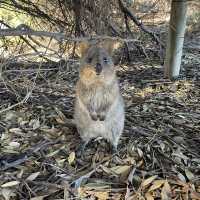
<point x="101" y="117"/>
<point x="115" y="151"/>
<point x="94" y="116"/>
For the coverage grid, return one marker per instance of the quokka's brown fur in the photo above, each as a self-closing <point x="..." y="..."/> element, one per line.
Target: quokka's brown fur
<point x="99" y="107"/>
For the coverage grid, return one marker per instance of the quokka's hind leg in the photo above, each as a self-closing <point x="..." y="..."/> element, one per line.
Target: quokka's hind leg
<point x="113" y="141"/>
<point x="114" y="144"/>
<point x="114" y="149"/>
<point x="84" y="142"/>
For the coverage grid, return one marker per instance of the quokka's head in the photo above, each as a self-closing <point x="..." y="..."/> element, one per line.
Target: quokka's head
<point x="96" y="63"/>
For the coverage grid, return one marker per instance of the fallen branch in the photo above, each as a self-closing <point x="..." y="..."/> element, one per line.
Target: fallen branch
<point x="24" y="39"/>
<point x="58" y="36"/>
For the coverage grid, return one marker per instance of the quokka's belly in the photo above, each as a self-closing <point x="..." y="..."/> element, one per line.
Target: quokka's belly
<point x="110" y="128"/>
<point x="97" y="128"/>
<point x="100" y="129"/>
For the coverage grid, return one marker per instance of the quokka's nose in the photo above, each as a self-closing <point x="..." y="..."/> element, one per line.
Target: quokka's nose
<point x="98" y="68"/>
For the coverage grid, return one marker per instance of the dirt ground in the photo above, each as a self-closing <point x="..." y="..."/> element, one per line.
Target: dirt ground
<point x="159" y="151"/>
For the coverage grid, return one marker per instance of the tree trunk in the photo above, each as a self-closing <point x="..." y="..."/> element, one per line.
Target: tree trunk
<point x="175" y="38"/>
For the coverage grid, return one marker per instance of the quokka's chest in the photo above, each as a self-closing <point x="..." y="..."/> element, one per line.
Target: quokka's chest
<point x="99" y="96"/>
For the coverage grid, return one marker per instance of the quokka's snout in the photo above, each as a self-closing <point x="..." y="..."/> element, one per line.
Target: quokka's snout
<point x="98" y="68"/>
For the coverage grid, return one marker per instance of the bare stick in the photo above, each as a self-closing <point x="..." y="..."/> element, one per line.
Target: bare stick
<point x="58" y="36"/>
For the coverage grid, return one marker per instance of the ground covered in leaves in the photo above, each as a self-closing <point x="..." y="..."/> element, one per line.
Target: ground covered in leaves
<point x="159" y="151"/>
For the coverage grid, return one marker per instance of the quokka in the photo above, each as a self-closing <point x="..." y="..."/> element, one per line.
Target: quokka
<point x="99" y="106"/>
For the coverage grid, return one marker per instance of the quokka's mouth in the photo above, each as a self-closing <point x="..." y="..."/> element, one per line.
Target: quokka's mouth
<point x="98" y="73"/>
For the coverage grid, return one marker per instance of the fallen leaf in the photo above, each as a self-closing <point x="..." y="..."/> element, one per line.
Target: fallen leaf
<point x="148" y="180"/>
<point x="156" y="184"/>
<point x="181" y="177"/>
<point x="14" y="144"/>
<point x="98" y="186"/>
<point x="71" y="157"/>
<point x="35" y="123"/>
<point x="195" y="195"/>
<point x="59" y="120"/>
<point x="101" y="195"/>
<point x="53" y="153"/>
<point x="120" y="169"/>
<point x="149" y="196"/>
<point x="189" y="174"/>
<point x="106" y="169"/>
<point x="128" y="193"/>
<point x="179" y="121"/>
<point x="20" y="174"/>
<point x="16" y="131"/>
<point x="130" y="176"/>
<point x="78" y="181"/>
<point x="7" y="193"/>
<point x="11" y="116"/>
<point x="60" y="162"/>
<point x="166" y="191"/>
<point x="9" y="151"/>
<point x="38" y="198"/>
<point x="52" y="130"/>
<point x="10" y="184"/>
<point x="61" y="117"/>
<point x="140" y="153"/>
<point x="81" y="192"/>
<point x="33" y="176"/>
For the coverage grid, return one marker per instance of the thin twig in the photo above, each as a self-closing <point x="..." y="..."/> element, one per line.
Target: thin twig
<point x="128" y="12"/>
<point x="15" y="105"/>
<point x="28" y="70"/>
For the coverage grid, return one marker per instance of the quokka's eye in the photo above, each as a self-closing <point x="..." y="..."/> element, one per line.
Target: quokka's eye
<point x="89" y="60"/>
<point x="105" y="60"/>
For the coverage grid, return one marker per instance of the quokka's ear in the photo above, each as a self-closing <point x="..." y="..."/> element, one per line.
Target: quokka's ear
<point x="109" y="45"/>
<point x="83" y="47"/>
